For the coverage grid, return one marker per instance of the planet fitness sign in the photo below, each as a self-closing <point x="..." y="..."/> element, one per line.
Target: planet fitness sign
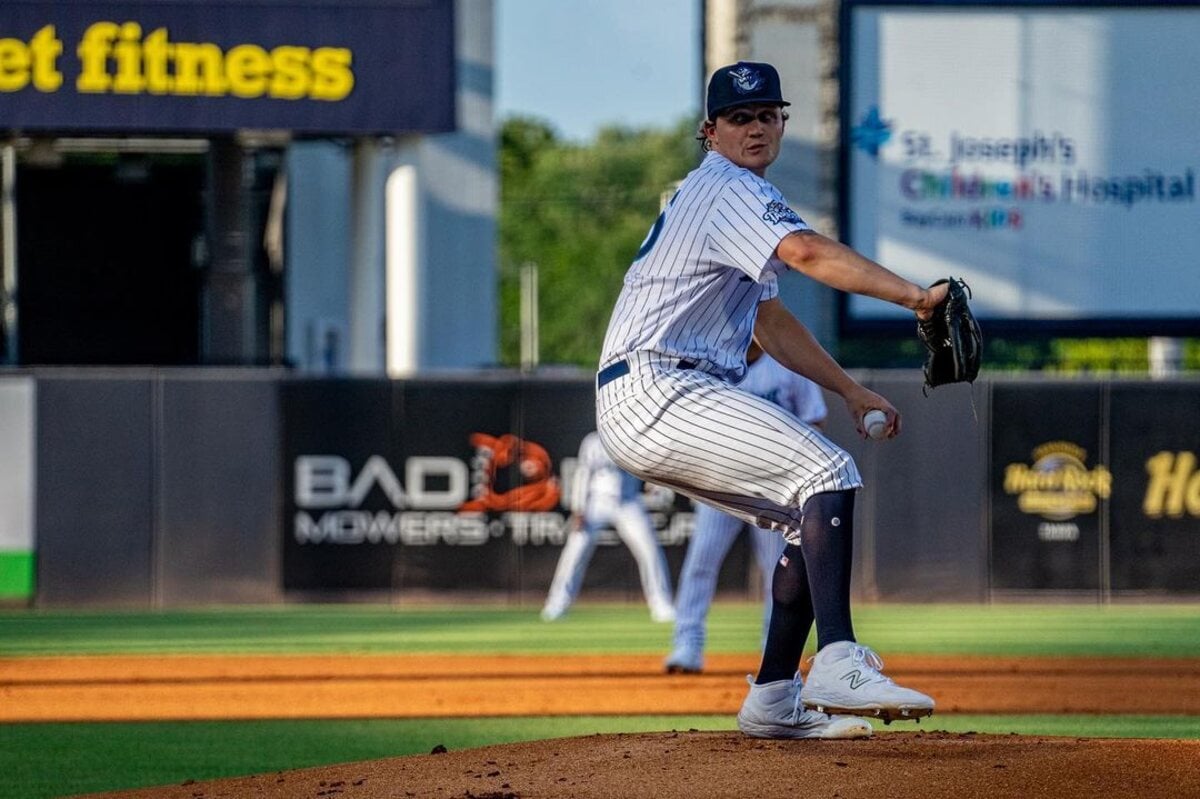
<point x="205" y="67"/>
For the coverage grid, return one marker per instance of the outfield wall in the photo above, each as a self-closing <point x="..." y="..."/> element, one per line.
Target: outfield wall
<point x="157" y="488"/>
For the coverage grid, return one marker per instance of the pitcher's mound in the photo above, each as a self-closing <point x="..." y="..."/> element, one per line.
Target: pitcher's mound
<point x="707" y="765"/>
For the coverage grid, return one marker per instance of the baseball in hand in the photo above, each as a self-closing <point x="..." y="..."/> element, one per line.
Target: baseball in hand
<point x="874" y="422"/>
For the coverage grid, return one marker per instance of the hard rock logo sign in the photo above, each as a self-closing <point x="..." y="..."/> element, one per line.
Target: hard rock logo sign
<point x="1057" y="485"/>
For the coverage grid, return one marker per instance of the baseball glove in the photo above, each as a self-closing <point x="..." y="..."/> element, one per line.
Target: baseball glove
<point x="952" y="339"/>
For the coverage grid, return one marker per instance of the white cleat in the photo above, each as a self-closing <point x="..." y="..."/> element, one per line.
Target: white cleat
<point x="847" y="678"/>
<point x="773" y="710"/>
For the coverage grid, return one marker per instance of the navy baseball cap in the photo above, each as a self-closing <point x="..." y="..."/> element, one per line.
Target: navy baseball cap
<point x="741" y="84"/>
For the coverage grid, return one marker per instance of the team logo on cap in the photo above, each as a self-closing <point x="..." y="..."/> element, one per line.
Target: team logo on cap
<point x="746" y="80"/>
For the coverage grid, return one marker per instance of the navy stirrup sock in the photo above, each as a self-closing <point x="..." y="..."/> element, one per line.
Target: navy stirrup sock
<point x="827" y="539"/>
<point x="791" y="618"/>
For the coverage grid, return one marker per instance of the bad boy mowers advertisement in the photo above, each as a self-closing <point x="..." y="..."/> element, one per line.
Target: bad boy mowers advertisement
<point x="437" y="485"/>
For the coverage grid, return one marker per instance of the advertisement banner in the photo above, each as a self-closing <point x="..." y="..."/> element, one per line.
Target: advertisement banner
<point x="1036" y="152"/>
<point x="444" y="486"/>
<point x="474" y="470"/>
<point x="1049" y="487"/>
<point x="307" y="66"/>
<point x="1155" y="433"/>
<point x="337" y="439"/>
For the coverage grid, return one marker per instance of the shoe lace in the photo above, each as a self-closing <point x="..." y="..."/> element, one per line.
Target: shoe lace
<point x="797" y="708"/>
<point x="866" y="658"/>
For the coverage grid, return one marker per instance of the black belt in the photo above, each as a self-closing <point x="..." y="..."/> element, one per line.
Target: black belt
<point x="621" y="368"/>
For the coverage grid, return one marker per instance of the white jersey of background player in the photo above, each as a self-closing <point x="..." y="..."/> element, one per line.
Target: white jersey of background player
<point x="715" y="531"/>
<point x="601" y="495"/>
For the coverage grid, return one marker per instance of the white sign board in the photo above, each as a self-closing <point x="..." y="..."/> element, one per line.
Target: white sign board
<point x="1048" y="156"/>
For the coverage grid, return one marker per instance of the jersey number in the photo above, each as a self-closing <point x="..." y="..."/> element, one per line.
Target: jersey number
<point x="652" y="236"/>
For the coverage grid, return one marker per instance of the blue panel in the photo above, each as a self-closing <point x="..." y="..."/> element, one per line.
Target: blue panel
<point x="308" y="67"/>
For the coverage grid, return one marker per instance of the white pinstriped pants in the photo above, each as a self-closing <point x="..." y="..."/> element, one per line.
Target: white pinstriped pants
<point x="697" y="434"/>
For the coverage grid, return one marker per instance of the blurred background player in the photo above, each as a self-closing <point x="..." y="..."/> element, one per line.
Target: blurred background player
<point x="716" y="531"/>
<point x="603" y="494"/>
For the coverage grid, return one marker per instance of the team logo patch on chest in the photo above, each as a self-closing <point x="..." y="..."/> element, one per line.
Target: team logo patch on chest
<point x="778" y="212"/>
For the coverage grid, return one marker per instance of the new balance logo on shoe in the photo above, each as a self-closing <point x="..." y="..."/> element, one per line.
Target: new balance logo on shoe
<point x="856" y="679"/>
<point x="846" y="677"/>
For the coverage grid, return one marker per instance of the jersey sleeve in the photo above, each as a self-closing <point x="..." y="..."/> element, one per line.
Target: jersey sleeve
<point x="747" y="222"/>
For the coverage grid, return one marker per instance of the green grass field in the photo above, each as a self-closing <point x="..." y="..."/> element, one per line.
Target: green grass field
<point x="1115" y="630"/>
<point x="52" y="760"/>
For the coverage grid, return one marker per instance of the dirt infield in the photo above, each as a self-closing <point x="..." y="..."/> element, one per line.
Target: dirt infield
<point x="681" y="764"/>
<point x="130" y="688"/>
<point x="687" y="765"/>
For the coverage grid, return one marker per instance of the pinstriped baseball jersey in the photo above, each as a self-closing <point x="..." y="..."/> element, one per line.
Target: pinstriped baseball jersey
<point x="702" y="270"/>
<point x="690" y="299"/>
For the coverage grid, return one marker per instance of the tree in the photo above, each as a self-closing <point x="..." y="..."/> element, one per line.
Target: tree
<point x="580" y="212"/>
